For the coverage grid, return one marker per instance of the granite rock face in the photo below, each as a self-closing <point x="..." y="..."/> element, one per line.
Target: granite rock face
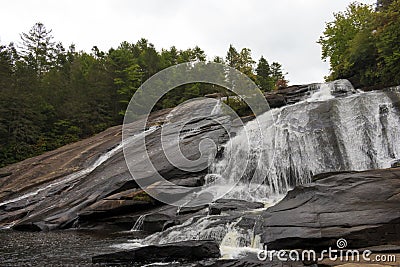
<point x="361" y="207"/>
<point x="180" y="251"/>
<point x="89" y="180"/>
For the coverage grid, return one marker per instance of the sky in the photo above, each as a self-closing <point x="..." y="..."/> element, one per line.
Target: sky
<point x="285" y="31"/>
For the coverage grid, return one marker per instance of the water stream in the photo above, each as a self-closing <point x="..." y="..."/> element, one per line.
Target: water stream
<point x="138" y="226"/>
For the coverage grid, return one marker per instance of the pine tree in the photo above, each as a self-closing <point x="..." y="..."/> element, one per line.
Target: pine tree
<point x="38" y="48"/>
<point x="263" y="78"/>
<point x="232" y="57"/>
<point x="382" y="5"/>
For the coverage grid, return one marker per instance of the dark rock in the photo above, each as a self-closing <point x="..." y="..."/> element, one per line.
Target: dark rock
<point x="384" y="249"/>
<point x="294" y="93"/>
<point x="220" y="152"/>
<point x="122" y="202"/>
<point x="30" y="227"/>
<point x="222" y="205"/>
<point x="180" y="251"/>
<point x="275" y="100"/>
<point x="396" y="164"/>
<point x="2" y="175"/>
<point x="287" y="95"/>
<point x="371" y="88"/>
<point x="342" y="88"/>
<point x="190" y="181"/>
<point x="157" y="222"/>
<point x="362" y="207"/>
<point x="252" y="263"/>
<point x="326" y="174"/>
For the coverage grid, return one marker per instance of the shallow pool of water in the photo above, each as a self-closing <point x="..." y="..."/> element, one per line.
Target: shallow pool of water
<point x="57" y="248"/>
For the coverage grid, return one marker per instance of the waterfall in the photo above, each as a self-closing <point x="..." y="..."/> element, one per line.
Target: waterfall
<point x="138" y="226"/>
<point x="237" y="237"/>
<point x="196" y="228"/>
<point x="238" y="242"/>
<point x="217" y="108"/>
<point x="335" y="129"/>
<point x="324" y="93"/>
<point x="225" y="230"/>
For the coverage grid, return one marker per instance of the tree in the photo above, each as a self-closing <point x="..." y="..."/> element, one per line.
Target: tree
<point x="387" y="36"/>
<point x="246" y="63"/>
<point x="362" y="44"/>
<point x="127" y="83"/>
<point x="146" y="57"/>
<point x="6" y="67"/>
<point x="382" y="5"/>
<point x="276" y="71"/>
<point x="38" y="49"/>
<point x="219" y="60"/>
<point x="198" y="54"/>
<point x="127" y="74"/>
<point x="169" y="57"/>
<point x="191" y="55"/>
<point x="232" y="57"/>
<point x="338" y="36"/>
<point x="263" y="75"/>
<point x="242" y="61"/>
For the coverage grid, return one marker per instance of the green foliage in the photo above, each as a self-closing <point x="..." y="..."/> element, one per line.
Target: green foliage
<point x="239" y="106"/>
<point x="388" y="45"/>
<point x="362" y="44"/>
<point x="242" y="61"/>
<point x="269" y="77"/>
<point x="38" y="49"/>
<point x="382" y="5"/>
<point x="143" y="196"/>
<point x="51" y="96"/>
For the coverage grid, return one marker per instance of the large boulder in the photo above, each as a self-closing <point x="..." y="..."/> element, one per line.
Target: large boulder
<point x="252" y="263"/>
<point x="361" y="207"/>
<point x="295" y="93"/>
<point x="180" y="251"/>
<point x="236" y="205"/>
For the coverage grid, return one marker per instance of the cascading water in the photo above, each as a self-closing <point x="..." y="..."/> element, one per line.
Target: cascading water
<point x="217" y="108"/>
<point x="197" y="228"/>
<point x="138" y="226"/>
<point x="320" y="134"/>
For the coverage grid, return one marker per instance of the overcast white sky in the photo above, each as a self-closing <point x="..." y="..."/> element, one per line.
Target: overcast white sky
<point x="282" y="30"/>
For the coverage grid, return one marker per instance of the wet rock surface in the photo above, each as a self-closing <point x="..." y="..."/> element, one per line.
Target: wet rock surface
<point x="180" y="251"/>
<point x="253" y="263"/>
<point x="296" y="93"/>
<point x="362" y="207"/>
<point x="226" y="205"/>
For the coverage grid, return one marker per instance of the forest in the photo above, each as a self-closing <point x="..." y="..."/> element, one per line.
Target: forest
<point x="51" y="95"/>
